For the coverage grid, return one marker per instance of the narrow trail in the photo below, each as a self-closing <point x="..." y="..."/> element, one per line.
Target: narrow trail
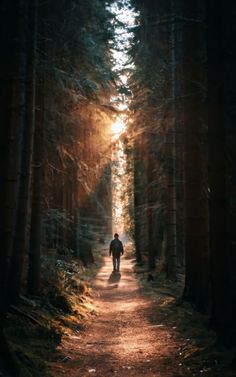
<point x="127" y="338"/>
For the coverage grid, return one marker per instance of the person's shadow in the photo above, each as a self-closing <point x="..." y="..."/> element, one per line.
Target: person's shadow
<point x="114" y="278"/>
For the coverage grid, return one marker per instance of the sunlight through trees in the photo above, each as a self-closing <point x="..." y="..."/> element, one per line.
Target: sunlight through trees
<point x="122" y="175"/>
<point x="116" y="116"/>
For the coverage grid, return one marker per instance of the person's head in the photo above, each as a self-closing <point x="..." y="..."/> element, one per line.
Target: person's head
<point x="116" y="235"/>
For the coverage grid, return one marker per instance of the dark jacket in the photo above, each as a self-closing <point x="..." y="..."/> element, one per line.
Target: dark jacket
<point x="116" y="248"/>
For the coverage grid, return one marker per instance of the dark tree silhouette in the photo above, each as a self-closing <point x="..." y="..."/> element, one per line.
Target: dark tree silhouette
<point x="56" y="87"/>
<point x="183" y="111"/>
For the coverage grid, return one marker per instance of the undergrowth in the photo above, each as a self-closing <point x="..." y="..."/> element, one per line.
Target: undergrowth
<point x="202" y="354"/>
<point x="35" y="327"/>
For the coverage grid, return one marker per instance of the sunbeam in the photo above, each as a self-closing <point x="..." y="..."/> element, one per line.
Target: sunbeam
<point x="124" y="19"/>
<point x="118" y="128"/>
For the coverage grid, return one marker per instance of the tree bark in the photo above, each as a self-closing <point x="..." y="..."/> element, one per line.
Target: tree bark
<point x="36" y="206"/>
<point x="222" y="313"/>
<point x="150" y="205"/>
<point x="20" y="239"/>
<point x="12" y="118"/>
<point x="140" y="199"/>
<point x="12" y="89"/>
<point x="38" y="157"/>
<point x="171" y="247"/>
<point x="195" y="158"/>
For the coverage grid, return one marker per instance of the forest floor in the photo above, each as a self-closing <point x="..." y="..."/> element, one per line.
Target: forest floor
<point x="140" y="329"/>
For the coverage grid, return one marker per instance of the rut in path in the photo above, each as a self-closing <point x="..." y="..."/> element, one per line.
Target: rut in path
<point x="126" y="338"/>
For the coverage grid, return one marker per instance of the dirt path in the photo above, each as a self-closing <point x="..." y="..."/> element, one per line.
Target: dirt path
<point x="127" y="338"/>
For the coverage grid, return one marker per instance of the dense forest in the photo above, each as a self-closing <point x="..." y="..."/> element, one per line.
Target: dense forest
<point x="59" y="94"/>
<point x="183" y="107"/>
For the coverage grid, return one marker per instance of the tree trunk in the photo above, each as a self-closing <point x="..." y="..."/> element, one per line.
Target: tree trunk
<point x="38" y="161"/>
<point x="171" y="247"/>
<point x="150" y="205"/>
<point x="140" y="198"/>
<point x="12" y="118"/>
<point x="12" y="89"/>
<point x="36" y="206"/>
<point x="20" y="238"/>
<point x="195" y="157"/>
<point x="222" y="315"/>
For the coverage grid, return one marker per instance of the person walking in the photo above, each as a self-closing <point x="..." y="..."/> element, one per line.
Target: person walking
<point x="116" y="250"/>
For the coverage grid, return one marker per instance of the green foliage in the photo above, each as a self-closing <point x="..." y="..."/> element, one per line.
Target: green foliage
<point x="82" y="54"/>
<point x="79" y="82"/>
<point x="151" y="104"/>
<point x="55" y="224"/>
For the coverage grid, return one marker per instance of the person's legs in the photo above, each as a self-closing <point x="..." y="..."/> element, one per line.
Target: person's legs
<point x="114" y="263"/>
<point x="118" y="264"/>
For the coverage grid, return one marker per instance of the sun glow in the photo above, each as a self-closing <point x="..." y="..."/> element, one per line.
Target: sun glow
<point x="118" y="128"/>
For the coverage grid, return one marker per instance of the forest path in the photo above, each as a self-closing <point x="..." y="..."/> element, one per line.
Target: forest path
<point x="127" y="338"/>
